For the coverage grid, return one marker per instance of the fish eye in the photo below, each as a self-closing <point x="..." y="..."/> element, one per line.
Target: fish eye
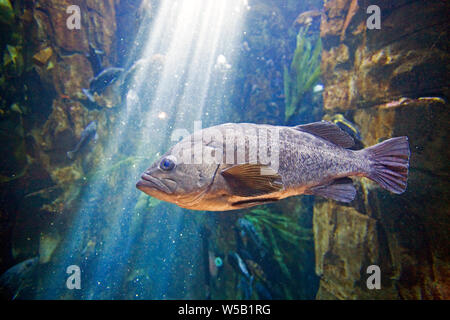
<point x="167" y="163"/>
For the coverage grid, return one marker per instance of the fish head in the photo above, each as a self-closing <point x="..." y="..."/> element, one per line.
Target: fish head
<point x="173" y="180"/>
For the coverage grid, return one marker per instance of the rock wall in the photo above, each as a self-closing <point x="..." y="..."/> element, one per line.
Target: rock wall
<point x="389" y="82"/>
<point x="42" y="82"/>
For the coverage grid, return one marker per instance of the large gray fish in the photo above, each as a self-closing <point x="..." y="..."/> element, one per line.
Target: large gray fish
<point x="89" y="133"/>
<point x="312" y="159"/>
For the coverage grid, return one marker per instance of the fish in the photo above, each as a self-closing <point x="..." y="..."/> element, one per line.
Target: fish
<point x="13" y="280"/>
<point x="306" y="18"/>
<point x="89" y="133"/>
<point x="99" y="83"/>
<point x="313" y="159"/>
<point x="346" y="126"/>
<point x="94" y="57"/>
<point x="240" y="266"/>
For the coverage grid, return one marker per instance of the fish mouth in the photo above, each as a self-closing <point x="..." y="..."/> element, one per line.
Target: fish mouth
<point x="147" y="181"/>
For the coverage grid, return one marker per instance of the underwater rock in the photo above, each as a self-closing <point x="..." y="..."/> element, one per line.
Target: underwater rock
<point x="102" y="24"/>
<point x="259" y="86"/>
<point x="346" y="242"/>
<point x="12" y="143"/>
<point x="38" y="182"/>
<point x="307" y="17"/>
<point x="89" y="133"/>
<point x="72" y="75"/>
<point x="389" y="85"/>
<point x="41" y="57"/>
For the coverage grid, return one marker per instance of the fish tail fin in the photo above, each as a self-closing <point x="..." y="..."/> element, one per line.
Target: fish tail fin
<point x="70" y="155"/>
<point x="390" y="163"/>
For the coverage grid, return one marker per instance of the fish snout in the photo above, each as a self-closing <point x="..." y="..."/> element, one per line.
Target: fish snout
<point x="149" y="181"/>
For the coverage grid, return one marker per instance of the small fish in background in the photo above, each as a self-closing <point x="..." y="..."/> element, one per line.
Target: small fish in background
<point x="350" y="14"/>
<point x="15" y="279"/>
<point x="346" y="125"/>
<point x="239" y="265"/>
<point x="99" y="83"/>
<point x="94" y="57"/>
<point x="313" y="159"/>
<point x="246" y="280"/>
<point x="307" y="17"/>
<point x="89" y="133"/>
<point x="260" y="264"/>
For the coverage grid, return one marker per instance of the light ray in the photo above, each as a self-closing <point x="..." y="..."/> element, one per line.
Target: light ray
<point x="183" y="42"/>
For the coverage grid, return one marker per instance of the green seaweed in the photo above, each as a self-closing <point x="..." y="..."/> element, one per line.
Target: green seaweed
<point x="277" y="230"/>
<point x="303" y="74"/>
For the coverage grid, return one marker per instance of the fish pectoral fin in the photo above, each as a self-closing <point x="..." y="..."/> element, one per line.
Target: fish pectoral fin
<point x="328" y="131"/>
<point x="249" y="180"/>
<point x="339" y="190"/>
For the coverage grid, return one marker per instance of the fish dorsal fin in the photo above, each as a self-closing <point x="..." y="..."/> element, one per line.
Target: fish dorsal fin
<point x="328" y="131"/>
<point x="248" y="180"/>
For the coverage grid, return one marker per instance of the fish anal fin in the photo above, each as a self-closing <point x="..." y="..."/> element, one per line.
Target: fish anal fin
<point x="328" y="131"/>
<point x="340" y="190"/>
<point x="248" y="180"/>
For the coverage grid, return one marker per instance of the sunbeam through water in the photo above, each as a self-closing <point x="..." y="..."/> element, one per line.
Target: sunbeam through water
<point x="183" y="60"/>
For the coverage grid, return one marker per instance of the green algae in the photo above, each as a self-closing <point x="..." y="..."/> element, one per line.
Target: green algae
<point x="277" y="230"/>
<point x="303" y="73"/>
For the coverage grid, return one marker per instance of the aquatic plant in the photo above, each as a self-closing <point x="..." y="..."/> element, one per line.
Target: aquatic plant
<point x="276" y="230"/>
<point x="6" y="12"/>
<point x="303" y="73"/>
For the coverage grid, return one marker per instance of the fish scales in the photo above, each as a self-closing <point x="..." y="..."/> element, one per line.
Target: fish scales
<point x="245" y="164"/>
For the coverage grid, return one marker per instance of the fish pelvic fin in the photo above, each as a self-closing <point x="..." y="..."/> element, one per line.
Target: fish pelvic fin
<point x="390" y="164"/>
<point x="70" y="155"/>
<point x="340" y="190"/>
